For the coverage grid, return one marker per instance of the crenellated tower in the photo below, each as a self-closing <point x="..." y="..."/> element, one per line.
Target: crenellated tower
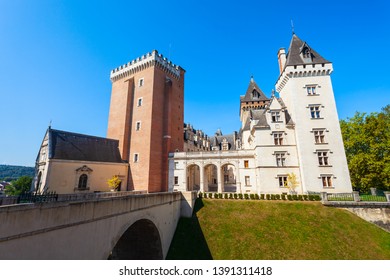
<point x="146" y="116"/>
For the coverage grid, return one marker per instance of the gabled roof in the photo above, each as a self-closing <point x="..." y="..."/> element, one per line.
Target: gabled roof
<point x="249" y="93"/>
<point x="74" y="146"/>
<point x="294" y="56"/>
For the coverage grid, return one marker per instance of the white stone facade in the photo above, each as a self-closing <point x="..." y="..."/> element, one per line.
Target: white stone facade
<point x="297" y="134"/>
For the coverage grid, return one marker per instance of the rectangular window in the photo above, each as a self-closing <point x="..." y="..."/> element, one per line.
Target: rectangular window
<point x="275" y="116"/>
<point x="323" y="158"/>
<point x="139" y="102"/>
<point x="319" y="136"/>
<point x="176" y="180"/>
<point x="136" y="157"/>
<point x="311" y="90"/>
<point x="176" y="164"/>
<point x="326" y="181"/>
<point x="246" y="163"/>
<point x="141" y="82"/>
<point x="137" y="126"/>
<point x="247" y="181"/>
<point x="282" y="181"/>
<point x="278" y="138"/>
<point x="315" y="111"/>
<point x="280" y="159"/>
<point x="226" y="178"/>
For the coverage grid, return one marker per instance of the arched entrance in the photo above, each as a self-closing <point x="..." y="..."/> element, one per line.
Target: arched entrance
<point x="141" y="241"/>
<point x="193" y="178"/>
<point x="211" y="178"/>
<point x="228" y="180"/>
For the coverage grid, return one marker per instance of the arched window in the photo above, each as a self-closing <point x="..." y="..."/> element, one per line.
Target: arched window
<point x="83" y="181"/>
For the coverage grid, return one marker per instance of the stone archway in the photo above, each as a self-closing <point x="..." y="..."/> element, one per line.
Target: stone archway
<point x="193" y="178"/>
<point x="228" y="178"/>
<point x="141" y="241"/>
<point x="211" y="178"/>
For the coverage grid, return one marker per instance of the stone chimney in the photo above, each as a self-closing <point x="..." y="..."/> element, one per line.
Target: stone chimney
<point x="281" y="59"/>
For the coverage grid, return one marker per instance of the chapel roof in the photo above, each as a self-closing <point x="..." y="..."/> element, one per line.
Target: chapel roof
<point x="74" y="146"/>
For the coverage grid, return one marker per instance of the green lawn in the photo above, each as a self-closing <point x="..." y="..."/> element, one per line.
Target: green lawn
<point x="236" y="229"/>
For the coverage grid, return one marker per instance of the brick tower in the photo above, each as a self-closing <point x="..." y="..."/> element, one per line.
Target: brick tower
<point x="146" y="116"/>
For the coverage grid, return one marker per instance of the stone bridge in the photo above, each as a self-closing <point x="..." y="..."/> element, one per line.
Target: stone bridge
<point x="134" y="226"/>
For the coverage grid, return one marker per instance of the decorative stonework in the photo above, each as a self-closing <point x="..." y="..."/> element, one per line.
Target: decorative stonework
<point x="143" y="62"/>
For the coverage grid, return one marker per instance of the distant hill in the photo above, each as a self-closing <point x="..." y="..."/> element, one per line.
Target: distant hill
<point x="13" y="172"/>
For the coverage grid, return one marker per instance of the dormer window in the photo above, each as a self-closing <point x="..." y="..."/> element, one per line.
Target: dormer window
<point x="275" y="116"/>
<point x="306" y="53"/>
<point x="255" y="94"/>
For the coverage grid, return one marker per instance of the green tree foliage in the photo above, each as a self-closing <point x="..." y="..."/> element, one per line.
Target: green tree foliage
<point x="367" y="146"/>
<point x="19" y="186"/>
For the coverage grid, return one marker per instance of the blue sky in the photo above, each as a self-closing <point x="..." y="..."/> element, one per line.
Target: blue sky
<point x="56" y="57"/>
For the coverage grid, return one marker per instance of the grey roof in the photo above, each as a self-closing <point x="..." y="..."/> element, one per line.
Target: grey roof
<point x="217" y="140"/>
<point x="294" y="56"/>
<point x="74" y="146"/>
<point x="259" y="116"/>
<point x="249" y="93"/>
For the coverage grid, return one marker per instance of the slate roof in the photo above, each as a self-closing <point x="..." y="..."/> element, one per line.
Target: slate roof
<point x="74" y="146"/>
<point x="249" y="96"/>
<point x="217" y="140"/>
<point x="294" y="53"/>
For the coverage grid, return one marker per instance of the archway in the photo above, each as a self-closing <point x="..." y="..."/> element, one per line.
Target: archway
<point x="211" y="178"/>
<point x="193" y="178"/>
<point x="228" y="178"/>
<point x="141" y="241"/>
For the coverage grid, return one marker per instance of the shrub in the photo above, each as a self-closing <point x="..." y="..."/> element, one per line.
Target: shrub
<point x="220" y="195"/>
<point x="216" y="195"/>
<point x="305" y="197"/>
<point x="252" y="196"/>
<point x="284" y="197"/>
<point x="268" y="196"/>
<point x="277" y="196"/>
<point x="262" y="196"/>
<point x="246" y="196"/>
<point x="289" y="197"/>
<point x="235" y="196"/>
<point x="272" y="197"/>
<point x="295" y="197"/>
<point x="257" y="196"/>
<point x="230" y="195"/>
<point x="317" y="197"/>
<point x="226" y="196"/>
<point x="240" y="195"/>
<point x="300" y="197"/>
<point x="311" y="197"/>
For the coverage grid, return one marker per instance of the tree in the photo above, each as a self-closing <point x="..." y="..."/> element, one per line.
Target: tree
<point x="367" y="147"/>
<point x="114" y="182"/>
<point x="292" y="182"/>
<point x="19" y="186"/>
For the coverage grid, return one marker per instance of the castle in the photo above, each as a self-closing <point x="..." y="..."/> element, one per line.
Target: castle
<point x="288" y="143"/>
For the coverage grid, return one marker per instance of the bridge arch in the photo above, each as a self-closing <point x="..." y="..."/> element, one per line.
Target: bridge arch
<point x="140" y="241"/>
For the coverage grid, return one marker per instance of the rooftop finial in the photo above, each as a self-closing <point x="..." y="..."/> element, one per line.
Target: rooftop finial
<point x="252" y="78"/>
<point x="50" y="124"/>
<point x="292" y="27"/>
<point x="273" y="93"/>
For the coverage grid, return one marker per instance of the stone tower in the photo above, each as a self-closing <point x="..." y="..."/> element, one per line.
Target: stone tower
<point x="305" y="86"/>
<point x="146" y="116"/>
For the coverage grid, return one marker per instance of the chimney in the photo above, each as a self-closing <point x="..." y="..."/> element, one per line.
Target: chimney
<point x="281" y="59"/>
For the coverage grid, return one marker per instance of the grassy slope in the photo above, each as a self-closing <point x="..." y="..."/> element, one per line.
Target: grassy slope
<point x="232" y="229"/>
